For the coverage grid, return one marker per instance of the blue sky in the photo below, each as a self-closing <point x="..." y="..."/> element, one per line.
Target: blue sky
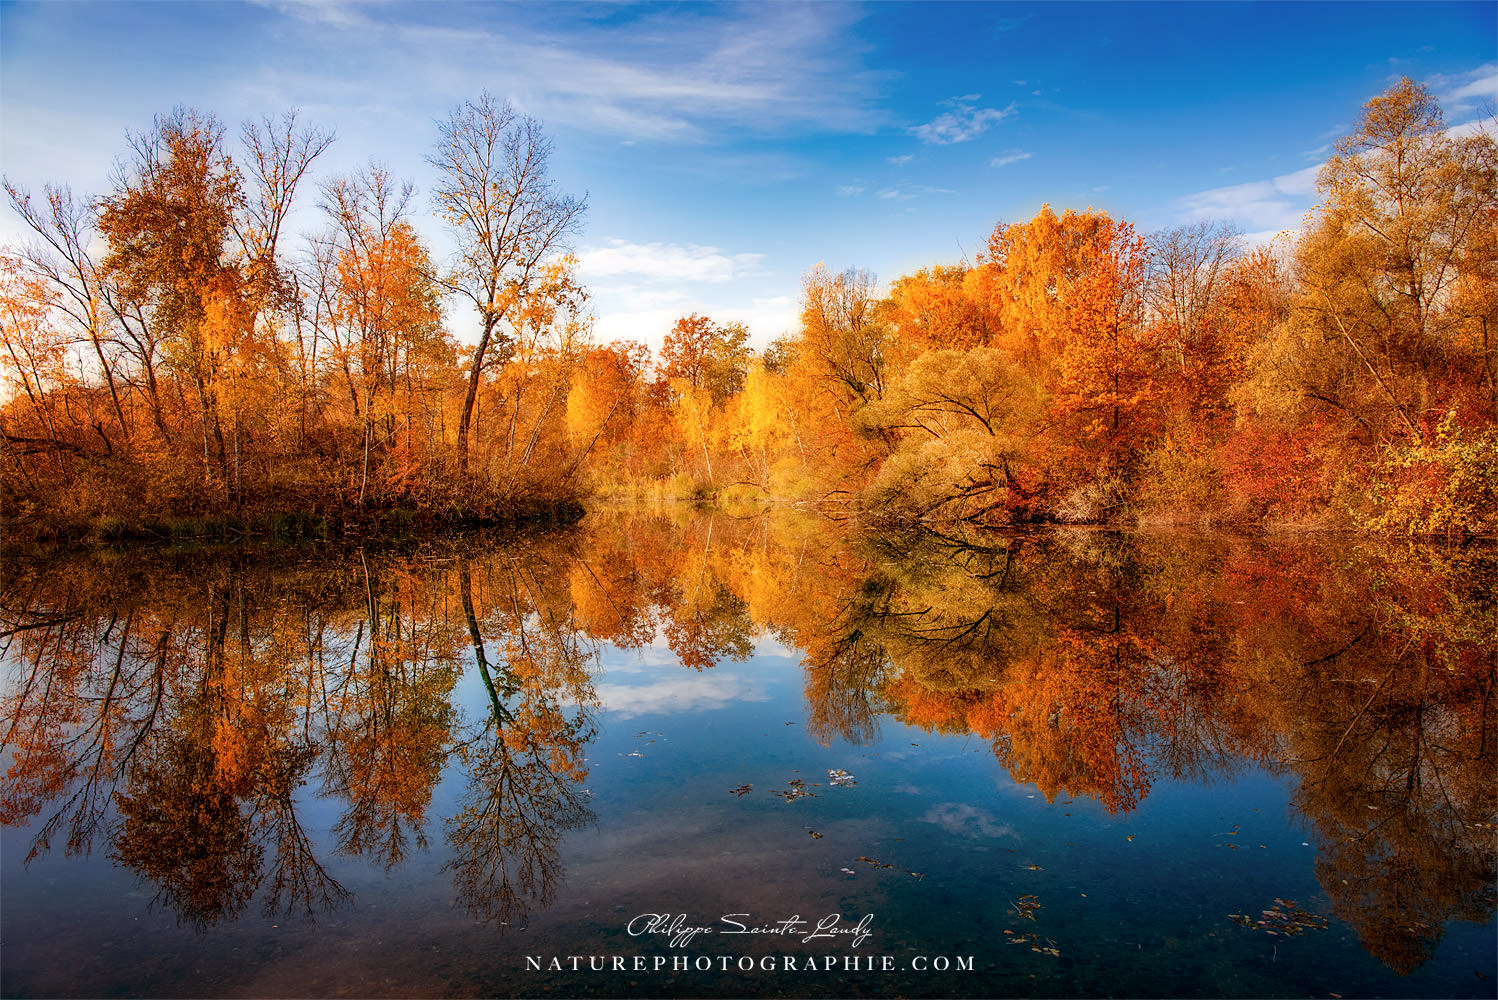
<point x="725" y="149"/>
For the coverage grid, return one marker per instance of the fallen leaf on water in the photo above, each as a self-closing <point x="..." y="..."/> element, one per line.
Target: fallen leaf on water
<point x="1026" y="906"/>
<point x="1284" y="919"/>
<point x="798" y="790"/>
<point x="1033" y="868"/>
<point x="814" y="835"/>
<point x="742" y="790"/>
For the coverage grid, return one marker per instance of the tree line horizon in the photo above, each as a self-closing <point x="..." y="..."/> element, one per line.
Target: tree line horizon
<point x="172" y="366"/>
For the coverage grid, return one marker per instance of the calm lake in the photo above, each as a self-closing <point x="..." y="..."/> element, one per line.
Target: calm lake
<point x="682" y="753"/>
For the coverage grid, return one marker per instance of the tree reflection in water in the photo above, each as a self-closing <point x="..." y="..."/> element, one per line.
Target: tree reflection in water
<point x="205" y="695"/>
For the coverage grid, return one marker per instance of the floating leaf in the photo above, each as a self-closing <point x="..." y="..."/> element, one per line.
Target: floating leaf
<point x="742" y="790"/>
<point x="798" y="790"/>
<point x="1284" y="919"/>
<point x="840" y="777"/>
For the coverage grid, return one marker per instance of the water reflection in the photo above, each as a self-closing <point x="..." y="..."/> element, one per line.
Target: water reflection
<point x="179" y="710"/>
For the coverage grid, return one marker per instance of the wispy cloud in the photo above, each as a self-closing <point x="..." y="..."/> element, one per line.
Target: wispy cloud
<point x="966" y="121"/>
<point x="659" y="75"/>
<point x="849" y="191"/>
<point x="641" y="289"/>
<point x="1271" y="205"/>
<point x="666" y="262"/>
<point x="900" y="160"/>
<point x="963" y="820"/>
<point x="681" y="693"/>
<point x="904" y="192"/>
<point x="1463" y="93"/>
<point x="1009" y="156"/>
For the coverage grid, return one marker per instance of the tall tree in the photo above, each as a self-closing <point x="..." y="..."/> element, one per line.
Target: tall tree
<point x="384" y="311"/>
<point x="496" y="194"/>
<point x="937" y="308"/>
<point x="1388" y="339"/>
<point x="169" y="225"/>
<point x="708" y="355"/>
<point x="842" y="339"/>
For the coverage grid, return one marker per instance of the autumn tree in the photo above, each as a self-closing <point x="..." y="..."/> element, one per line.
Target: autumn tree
<point x="964" y="420"/>
<point x="607" y="392"/>
<point x="940" y="307"/>
<point x="278" y="153"/>
<point x="707" y="355"/>
<point x="843" y="342"/>
<point x="495" y="193"/>
<point x="62" y="258"/>
<point x="1189" y="274"/>
<point x="33" y="362"/>
<point x="170" y="225"/>
<point x="1385" y="342"/>
<point x="1069" y="293"/>
<point x="384" y="312"/>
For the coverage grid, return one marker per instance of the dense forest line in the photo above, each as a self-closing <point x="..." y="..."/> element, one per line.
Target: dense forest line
<point x="164" y="352"/>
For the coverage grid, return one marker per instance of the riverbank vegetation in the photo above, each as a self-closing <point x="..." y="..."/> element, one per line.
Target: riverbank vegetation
<point x="172" y="368"/>
<point x="1076" y="371"/>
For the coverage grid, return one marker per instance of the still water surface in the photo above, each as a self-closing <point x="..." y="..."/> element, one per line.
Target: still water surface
<point x="1070" y="764"/>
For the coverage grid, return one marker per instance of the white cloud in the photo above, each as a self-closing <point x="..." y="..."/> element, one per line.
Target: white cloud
<point x="648" y="326"/>
<point x="1463" y="93"/>
<point x="1272" y="205"/>
<point x="1474" y="127"/>
<point x="1301" y="182"/>
<point x="661" y="75"/>
<point x="694" y="692"/>
<point x="901" y="160"/>
<point x="640" y="290"/>
<point x="963" y="123"/>
<point x="1009" y="156"/>
<point x="963" y="820"/>
<point x="665" y="262"/>
<point x="766" y="318"/>
<point x="849" y="191"/>
<point x="904" y="192"/>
